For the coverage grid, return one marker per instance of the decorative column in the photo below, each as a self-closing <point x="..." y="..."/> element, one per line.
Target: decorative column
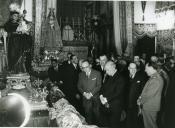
<point x="40" y="16"/>
<point x="38" y="20"/>
<point x="117" y="27"/>
<point x="129" y="27"/>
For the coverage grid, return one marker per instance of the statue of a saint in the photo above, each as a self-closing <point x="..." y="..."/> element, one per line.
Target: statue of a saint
<point x="51" y="34"/>
<point x="19" y="41"/>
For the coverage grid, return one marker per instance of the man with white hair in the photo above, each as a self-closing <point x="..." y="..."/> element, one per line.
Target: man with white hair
<point x="112" y="95"/>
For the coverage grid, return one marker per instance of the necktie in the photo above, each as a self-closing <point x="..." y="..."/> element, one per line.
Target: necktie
<point x="88" y="74"/>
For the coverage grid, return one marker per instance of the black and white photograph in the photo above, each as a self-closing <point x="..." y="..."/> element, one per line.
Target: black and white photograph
<point x="87" y="63"/>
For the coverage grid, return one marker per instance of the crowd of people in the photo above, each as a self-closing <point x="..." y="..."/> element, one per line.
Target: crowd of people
<point x="111" y="90"/>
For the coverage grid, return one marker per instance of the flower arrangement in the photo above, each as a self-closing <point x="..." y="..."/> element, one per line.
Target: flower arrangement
<point x="51" y="54"/>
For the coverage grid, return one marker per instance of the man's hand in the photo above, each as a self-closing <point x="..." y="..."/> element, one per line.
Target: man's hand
<point x="139" y="101"/>
<point x="87" y="95"/>
<point x="61" y="82"/>
<point x="77" y="96"/>
<point x="103" y="99"/>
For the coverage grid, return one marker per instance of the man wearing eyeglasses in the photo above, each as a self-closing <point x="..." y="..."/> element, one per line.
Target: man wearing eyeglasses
<point x="89" y="85"/>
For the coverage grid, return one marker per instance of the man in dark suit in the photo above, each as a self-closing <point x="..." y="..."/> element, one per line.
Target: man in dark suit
<point x="70" y="79"/>
<point x="68" y="61"/>
<point x="54" y="72"/>
<point x="169" y="112"/>
<point x="136" y="84"/>
<point x="112" y="96"/>
<point x="103" y="59"/>
<point x="89" y="85"/>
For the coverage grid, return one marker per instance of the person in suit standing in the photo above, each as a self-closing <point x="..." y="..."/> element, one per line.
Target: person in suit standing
<point x="70" y="79"/>
<point x="150" y="98"/>
<point x="112" y="97"/>
<point x="103" y="59"/>
<point x="169" y="111"/>
<point x="54" y="72"/>
<point x="137" y="80"/>
<point x="89" y="85"/>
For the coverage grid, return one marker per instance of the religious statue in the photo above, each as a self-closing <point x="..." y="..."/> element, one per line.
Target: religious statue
<point x="19" y="41"/>
<point x="50" y="33"/>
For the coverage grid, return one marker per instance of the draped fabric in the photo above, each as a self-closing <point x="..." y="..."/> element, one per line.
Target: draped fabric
<point x="141" y="30"/>
<point x="165" y="41"/>
<point x="51" y="35"/>
<point x="165" y="26"/>
<point x="117" y="26"/>
<point x="123" y="32"/>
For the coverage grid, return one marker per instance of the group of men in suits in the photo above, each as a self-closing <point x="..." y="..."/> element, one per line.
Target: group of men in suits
<point x="102" y="92"/>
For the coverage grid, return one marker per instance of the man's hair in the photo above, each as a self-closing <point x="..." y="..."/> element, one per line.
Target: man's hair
<point x="133" y="63"/>
<point x="69" y="53"/>
<point x="153" y="64"/>
<point x="111" y="63"/>
<point x="103" y="55"/>
<point x="72" y="56"/>
<point x="86" y="60"/>
<point x="54" y="60"/>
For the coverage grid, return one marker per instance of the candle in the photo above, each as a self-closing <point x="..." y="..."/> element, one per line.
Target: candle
<point x="79" y="22"/>
<point x="51" y="3"/>
<point x="155" y="44"/>
<point x="173" y="53"/>
<point x="73" y="22"/>
<point x="24" y="5"/>
<point x="60" y="22"/>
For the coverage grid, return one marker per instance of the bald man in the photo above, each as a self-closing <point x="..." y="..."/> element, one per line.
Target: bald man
<point x="137" y="80"/>
<point x="111" y="97"/>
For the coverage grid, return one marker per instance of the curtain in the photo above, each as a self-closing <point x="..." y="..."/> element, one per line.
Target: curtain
<point x="122" y="19"/>
<point x="117" y="27"/>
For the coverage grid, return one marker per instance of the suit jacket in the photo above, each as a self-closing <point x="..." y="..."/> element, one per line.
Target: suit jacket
<point x="54" y="75"/>
<point x="90" y="84"/>
<point x="136" y="85"/>
<point x="113" y="90"/>
<point x="151" y="94"/>
<point x="98" y="68"/>
<point x="69" y="77"/>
